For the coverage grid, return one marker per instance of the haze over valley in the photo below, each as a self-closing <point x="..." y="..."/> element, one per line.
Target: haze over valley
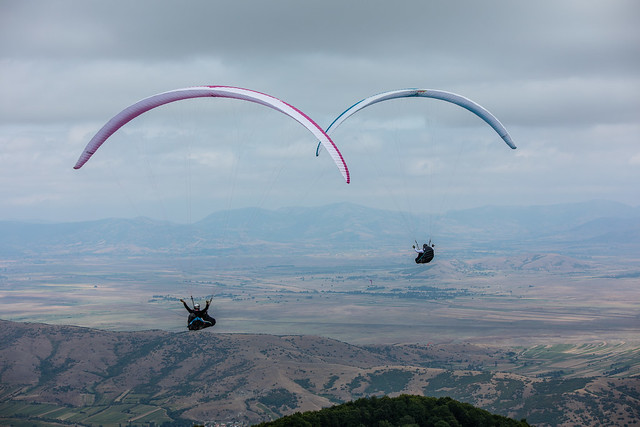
<point x="560" y="273"/>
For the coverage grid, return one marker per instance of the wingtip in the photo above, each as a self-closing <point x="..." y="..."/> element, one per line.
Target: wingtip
<point x="509" y="141"/>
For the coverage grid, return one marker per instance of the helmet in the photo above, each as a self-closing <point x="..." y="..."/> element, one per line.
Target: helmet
<point x="196" y="306"/>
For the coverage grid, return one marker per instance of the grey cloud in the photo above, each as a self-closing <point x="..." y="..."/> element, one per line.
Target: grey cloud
<point x="562" y="77"/>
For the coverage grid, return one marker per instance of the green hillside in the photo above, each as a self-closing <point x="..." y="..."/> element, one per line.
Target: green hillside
<point x="404" y="410"/>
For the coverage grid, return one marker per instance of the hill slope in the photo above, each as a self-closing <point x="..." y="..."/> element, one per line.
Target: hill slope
<point x="90" y="376"/>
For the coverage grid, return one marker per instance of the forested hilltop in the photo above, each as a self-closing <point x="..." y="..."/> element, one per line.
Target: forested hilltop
<point x="404" y="410"/>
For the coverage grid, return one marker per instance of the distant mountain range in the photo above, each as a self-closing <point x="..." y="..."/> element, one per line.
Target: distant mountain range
<point x="574" y="229"/>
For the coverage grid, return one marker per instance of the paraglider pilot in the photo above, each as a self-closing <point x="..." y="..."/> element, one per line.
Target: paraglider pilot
<point x="425" y="254"/>
<point x="198" y="319"/>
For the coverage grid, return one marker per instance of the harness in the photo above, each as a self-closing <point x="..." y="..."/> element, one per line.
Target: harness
<point x="200" y="319"/>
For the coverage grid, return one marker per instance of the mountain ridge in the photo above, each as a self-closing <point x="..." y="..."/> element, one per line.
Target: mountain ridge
<point x="343" y="227"/>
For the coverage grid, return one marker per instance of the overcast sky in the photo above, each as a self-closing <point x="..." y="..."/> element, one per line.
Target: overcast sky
<point x="562" y="76"/>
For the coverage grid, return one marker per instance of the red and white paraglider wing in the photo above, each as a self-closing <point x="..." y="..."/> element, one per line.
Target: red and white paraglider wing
<point x="154" y="101"/>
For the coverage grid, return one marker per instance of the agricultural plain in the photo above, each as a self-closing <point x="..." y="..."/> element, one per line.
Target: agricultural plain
<point x="520" y="300"/>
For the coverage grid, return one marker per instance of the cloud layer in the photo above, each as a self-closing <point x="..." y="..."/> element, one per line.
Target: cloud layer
<point x="563" y="77"/>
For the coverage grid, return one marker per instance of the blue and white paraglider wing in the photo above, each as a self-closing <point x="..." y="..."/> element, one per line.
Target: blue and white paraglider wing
<point x="453" y="98"/>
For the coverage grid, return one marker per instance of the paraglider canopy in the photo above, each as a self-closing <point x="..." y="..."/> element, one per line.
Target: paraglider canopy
<point x="456" y="99"/>
<point x="154" y="101"/>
